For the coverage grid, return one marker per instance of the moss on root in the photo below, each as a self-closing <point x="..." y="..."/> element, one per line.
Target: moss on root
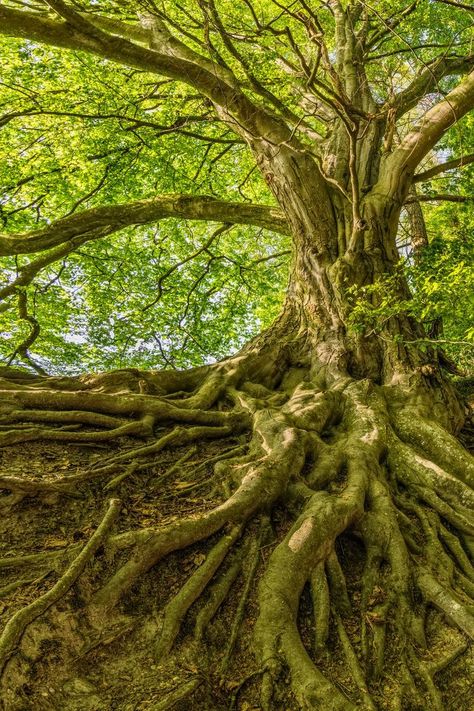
<point x="281" y="544"/>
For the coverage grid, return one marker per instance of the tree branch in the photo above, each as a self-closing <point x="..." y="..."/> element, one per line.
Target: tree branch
<point x="442" y="167"/>
<point x="104" y="220"/>
<point x="162" y="40"/>
<point x="177" y="127"/>
<point x="23" y="348"/>
<point x="413" y="48"/>
<point x="436" y="122"/>
<point x="459" y="5"/>
<point x="427" y="81"/>
<point x="390" y="24"/>
<point x="399" y="166"/>
<point x="77" y="33"/>
<point x="442" y="197"/>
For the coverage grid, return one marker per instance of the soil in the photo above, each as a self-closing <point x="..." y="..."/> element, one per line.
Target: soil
<point x="56" y="668"/>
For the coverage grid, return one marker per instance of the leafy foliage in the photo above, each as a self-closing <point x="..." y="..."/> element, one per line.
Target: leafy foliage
<point x="100" y="308"/>
<point x="442" y="284"/>
<point x="441" y="274"/>
<point x="79" y="131"/>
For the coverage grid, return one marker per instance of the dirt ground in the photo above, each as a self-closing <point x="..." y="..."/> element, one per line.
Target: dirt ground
<point x="62" y="662"/>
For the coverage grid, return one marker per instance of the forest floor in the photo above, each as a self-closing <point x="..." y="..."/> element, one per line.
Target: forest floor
<point x="56" y="668"/>
<point x="62" y="661"/>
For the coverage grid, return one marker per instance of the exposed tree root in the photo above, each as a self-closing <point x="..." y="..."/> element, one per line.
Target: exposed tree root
<point x="336" y="461"/>
<point x="321" y="607"/>
<point x="27" y="487"/>
<point x="253" y="558"/>
<point x="183" y="692"/>
<point x="217" y="596"/>
<point x="15" y="627"/>
<point x="7" y="589"/>
<point x="354" y="665"/>
<point x="176" y="609"/>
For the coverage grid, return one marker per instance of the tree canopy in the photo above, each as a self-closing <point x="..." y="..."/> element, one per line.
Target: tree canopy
<point x="188" y="275"/>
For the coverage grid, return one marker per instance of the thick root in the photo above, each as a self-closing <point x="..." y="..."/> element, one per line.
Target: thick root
<point x="176" y="609"/>
<point x="369" y="561"/>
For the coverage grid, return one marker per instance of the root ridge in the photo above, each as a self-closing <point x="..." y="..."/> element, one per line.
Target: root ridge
<point x="283" y="486"/>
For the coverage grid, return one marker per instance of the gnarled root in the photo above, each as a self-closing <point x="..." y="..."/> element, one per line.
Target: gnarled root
<point x="361" y="562"/>
<point x="16" y="625"/>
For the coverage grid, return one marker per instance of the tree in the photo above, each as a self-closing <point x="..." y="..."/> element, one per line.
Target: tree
<point x="345" y="496"/>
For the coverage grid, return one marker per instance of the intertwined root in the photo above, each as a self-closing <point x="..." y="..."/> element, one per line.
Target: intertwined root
<point x="350" y="468"/>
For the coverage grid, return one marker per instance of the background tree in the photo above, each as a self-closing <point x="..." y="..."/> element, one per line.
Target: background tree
<point x="181" y="176"/>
